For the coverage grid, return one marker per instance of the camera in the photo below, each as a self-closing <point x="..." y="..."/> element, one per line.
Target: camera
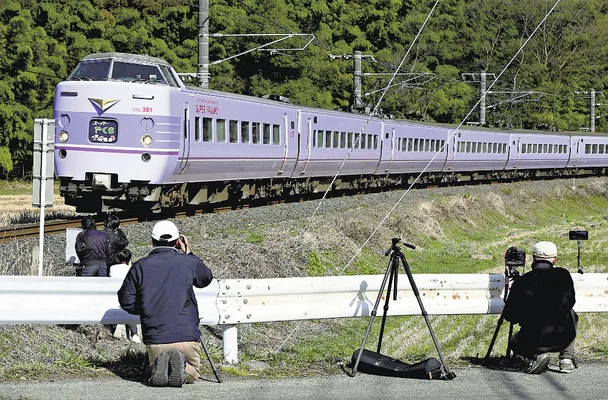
<point x="514" y="258"/>
<point x="578" y="235"/>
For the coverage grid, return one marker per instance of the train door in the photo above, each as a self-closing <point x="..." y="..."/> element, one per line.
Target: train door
<point x="286" y="141"/>
<point x="576" y="147"/>
<point x="451" y="144"/>
<point x="185" y="141"/>
<point x="392" y="149"/>
<point x="515" y="151"/>
<point x="309" y="142"/>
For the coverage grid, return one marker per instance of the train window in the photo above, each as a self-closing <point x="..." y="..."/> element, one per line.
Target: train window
<point x="342" y="140"/>
<point x="375" y="142"/>
<point x="433" y="145"/>
<point x="426" y="145"/>
<point x="357" y="143"/>
<point x="524" y="148"/>
<point x="363" y="141"/>
<point x="233" y="129"/>
<point x="207" y="130"/>
<point x="244" y="131"/>
<point x="276" y="134"/>
<point x="129" y="72"/>
<point x="468" y="147"/>
<point x="442" y="144"/>
<point x="197" y="129"/>
<point x="315" y="120"/>
<point x="504" y="148"/>
<point x="535" y="148"/>
<point x="91" y="71"/>
<point x="594" y="149"/>
<point x="320" y="137"/>
<point x="220" y="130"/>
<point x="415" y="144"/>
<point x="409" y="144"/>
<point x="601" y="149"/>
<point x="266" y="134"/>
<point x="327" y="139"/>
<point x="587" y="148"/>
<point x="336" y="139"/>
<point x="293" y="125"/>
<point x="550" y="148"/>
<point x="545" y="148"/>
<point x="350" y="140"/>
<point x="168" y="74"/>
<point x="461" y="147"/>
<point x="255" y="132"/>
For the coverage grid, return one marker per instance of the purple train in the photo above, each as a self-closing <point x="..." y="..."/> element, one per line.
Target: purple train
<point x="130" y="135"/>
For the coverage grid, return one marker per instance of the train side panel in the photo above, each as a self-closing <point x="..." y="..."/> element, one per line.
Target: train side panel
<point x="478" y="151"/>
<point x="540" y="152"/>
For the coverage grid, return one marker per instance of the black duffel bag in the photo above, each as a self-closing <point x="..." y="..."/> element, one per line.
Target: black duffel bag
<point x="379" y="364"/>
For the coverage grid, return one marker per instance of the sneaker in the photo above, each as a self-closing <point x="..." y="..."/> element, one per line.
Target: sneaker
<point x="160" y="370"/>
<point x="539" y="364"/>
<point x="135" y="339"/>
<point x="566" y="365"/>
<point x="177" y="365"/>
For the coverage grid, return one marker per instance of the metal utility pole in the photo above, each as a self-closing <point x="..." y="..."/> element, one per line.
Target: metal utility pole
<point x="203" y="44"/>
<point x="482" y="103"/>
<point x="592" y="126"/>
<point x="591" y="95"/>
<point x="358" y="102"/>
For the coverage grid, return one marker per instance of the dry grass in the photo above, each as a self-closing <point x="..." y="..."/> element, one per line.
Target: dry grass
<point x="18" y="209"/>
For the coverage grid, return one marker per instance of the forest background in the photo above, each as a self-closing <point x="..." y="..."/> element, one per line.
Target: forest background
<point x="41" y="41"/>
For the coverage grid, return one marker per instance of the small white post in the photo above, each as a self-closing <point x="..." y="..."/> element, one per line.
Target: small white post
<point x="44" y="143"/>
<point x="230" y="344"/>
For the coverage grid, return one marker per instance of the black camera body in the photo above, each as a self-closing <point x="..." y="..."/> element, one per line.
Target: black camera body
<point x="578" y="235"/>
<point x="514" y="258"/>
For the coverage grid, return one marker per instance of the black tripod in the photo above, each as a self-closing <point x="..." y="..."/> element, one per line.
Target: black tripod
<point x="391" y="275"/>
<point x="215" y="371"/>
<point x="510" y="275"/>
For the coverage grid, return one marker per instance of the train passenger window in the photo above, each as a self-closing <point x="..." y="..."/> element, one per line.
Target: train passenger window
<point x="276" y="134"/>
<point x="197" y="129"/>
<point x="207" y="130"/>
<point x="327" y="139"/>
<point x="409" y="144"/>
<point x="545" y="150"/>
<point x="415" y="144"/>
<point x="550" y="148"/>
<point x="433" y="145"/>
<point x="468" y="147"/>
<point x="320" y="137"/>
<point x="524" y="148"/>
<point x="314" y="139"/>
<point x="233" y="128"/>
<point x="535" y="148"/>
<point x="601" y="149"/>
<point x="587" y="148"/>
<point x="594" y="149"/>
<point x="350" y="140"/>
<point x="375" y="142"/>
<point x="363" y="141"/>
<point x="426" y="145"/>
<point x="244" y="131"/>
<point x="342" y="140"/>
<point x="461" y="147"/>
<point x="255" y="132"/>
<point x="442" y="144"/>
<point x="357" y="143"/>
<point x="220" y="130"/>
<point x="266" y="134"/>
<point x="336" y="139"/>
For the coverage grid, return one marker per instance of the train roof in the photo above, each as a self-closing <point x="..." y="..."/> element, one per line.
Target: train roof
<point x="126" y="57"/>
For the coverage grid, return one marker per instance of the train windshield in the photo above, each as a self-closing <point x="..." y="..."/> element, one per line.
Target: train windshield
<point x="103" y="70"/>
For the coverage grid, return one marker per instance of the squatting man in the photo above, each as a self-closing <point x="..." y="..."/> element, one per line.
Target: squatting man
<point x="541" y="302"/>
<point x="159" y="288"/>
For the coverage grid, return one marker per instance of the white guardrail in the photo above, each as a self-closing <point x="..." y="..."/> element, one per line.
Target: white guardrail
<point x="229" y="302"/>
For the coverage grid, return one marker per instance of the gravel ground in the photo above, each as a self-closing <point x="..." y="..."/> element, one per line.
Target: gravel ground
<point x="274" y="241"/>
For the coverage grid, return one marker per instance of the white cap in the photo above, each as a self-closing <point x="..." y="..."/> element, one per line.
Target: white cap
<point x="165" y="231"/>
<point x="544" y="250"/>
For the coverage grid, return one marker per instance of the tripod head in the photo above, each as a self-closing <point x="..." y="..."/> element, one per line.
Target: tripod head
<point x="578" y="236"/>
<point x="514" y="258"/>
<point x="396" y="248"/>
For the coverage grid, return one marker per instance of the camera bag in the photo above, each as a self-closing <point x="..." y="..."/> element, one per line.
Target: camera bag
<point x="378" y="364"/>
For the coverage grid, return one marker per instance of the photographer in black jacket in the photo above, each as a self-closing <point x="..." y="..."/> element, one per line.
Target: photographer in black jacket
<point x="159" y="288"/>
<point x="541" y="302"/>
<point x="93" y="249"/>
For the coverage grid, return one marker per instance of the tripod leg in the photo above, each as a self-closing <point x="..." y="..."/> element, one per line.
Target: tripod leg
<point x="498" y="324"/>
<point x="215" y="371"/>
<point x="388" y="297"/>
<point x="509" y="340"/>
<point x="448" y="374"/>
<point x="372" y="315"/>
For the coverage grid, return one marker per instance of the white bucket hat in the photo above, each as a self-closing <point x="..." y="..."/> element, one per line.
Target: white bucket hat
<point x="165" y="231"/>
<point x="545" y="250"/>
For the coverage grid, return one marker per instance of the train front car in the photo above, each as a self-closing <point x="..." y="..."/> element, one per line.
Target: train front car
<point x="116" y="138"/>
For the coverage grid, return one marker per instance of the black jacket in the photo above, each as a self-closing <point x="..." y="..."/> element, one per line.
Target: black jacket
<point x="118" y="241"/>
<point x="159" y="288"/>
<point x="92" y="247"/>
<point x="541" y="301"/>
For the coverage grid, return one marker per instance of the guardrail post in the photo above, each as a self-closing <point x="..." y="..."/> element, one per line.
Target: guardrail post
<point x="230" y="344"/>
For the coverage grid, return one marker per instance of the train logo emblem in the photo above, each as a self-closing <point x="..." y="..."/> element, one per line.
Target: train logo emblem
<point x="103" y="105"/>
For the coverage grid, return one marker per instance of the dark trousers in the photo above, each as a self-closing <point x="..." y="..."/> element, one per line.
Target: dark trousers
<point x="564" y="351"/>
<point x="93" y="270"/>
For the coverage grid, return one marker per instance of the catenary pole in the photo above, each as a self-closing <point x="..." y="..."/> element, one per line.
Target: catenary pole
<point x="203" y="44"/>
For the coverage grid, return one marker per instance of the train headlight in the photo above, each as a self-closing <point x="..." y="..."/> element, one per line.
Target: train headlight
<point x="63" y="136"/>
<point x="146" y="140"/>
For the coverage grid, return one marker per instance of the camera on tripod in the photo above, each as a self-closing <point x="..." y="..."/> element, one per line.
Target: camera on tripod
<point x="514" y="258"/>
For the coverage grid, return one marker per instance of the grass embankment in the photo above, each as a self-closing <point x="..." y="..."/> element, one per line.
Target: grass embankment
<point x="466" y="232"/>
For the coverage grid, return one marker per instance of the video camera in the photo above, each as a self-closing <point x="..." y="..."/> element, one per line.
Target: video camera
<point x="514" y="258"/>
<point x="578" y="235"/>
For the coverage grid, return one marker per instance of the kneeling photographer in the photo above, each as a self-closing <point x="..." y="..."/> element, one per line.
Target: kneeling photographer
<point x="541" y="302"/>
